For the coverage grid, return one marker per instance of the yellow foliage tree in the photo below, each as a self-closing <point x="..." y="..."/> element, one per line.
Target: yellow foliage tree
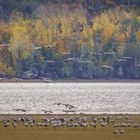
<point x="138" y="35"/>
<point x="21" y="44"/>
<point x="65" y="26"/>
<point x="39" y="33"/>
<point x="104" y="24"/>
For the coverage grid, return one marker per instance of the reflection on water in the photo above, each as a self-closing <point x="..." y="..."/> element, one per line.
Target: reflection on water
<point x="69" y="97"/>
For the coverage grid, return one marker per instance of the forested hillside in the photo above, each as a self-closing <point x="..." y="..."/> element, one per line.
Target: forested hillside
<point x="92" y="39"/>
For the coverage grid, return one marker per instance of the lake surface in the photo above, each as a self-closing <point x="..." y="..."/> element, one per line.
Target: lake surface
<point x="69" y="97"/>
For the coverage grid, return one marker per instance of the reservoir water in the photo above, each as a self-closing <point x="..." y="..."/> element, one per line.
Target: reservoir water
<point x="40" y="98"/>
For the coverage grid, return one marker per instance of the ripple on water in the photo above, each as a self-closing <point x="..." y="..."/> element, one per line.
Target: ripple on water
<point x="86" y="97"/>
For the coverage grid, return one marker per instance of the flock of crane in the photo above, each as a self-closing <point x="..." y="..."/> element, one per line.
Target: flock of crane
<point x="119" y="124"/>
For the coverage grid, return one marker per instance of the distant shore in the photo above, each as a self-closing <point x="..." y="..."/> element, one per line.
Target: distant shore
<point x="71" y="81"/>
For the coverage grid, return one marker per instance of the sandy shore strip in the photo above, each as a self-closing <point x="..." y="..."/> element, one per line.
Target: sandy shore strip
<point x="70" y="81"/>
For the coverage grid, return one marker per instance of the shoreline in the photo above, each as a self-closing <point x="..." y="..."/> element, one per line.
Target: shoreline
<point x="40" y="115"/>
<point x="72" y="81"/>
<point x="71" y="114"/>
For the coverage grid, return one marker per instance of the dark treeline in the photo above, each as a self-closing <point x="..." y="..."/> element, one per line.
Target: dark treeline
<point x="28" y="6"/>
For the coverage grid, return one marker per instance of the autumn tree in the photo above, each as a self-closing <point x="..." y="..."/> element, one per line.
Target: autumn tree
<point x="21" y="44"/>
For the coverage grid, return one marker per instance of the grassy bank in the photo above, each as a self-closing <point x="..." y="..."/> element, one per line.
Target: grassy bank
<point x="65" y="134"/>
